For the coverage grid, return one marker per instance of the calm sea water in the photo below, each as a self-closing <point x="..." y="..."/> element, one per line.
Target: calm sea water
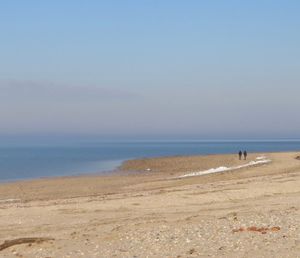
<point x="25" y="162"/>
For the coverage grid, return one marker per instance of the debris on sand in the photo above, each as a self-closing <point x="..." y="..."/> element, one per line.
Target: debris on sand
<point x="256" y="229"/>
<point x="191" y="251"/>
<point x="19" y="241"/>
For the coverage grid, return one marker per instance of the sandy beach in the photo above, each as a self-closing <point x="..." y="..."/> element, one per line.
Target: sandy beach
<point x="149" y="210"/>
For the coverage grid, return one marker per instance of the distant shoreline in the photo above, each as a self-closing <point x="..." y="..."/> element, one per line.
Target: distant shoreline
<point x="161" y="168"/>
<point x="144" y="166"/>
<point x="77" y="158"/>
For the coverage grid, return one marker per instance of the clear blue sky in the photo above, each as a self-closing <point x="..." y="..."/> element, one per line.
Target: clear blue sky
<point x="150" y="68"/>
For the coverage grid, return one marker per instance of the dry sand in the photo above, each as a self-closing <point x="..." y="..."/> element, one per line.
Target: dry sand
<point x="251" y="212"/>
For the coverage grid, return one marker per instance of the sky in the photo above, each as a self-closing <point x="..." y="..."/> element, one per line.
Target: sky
<point x="206" y="69"/>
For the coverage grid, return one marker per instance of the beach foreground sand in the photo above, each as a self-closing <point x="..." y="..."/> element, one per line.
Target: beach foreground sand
<point x="249" y="212"/>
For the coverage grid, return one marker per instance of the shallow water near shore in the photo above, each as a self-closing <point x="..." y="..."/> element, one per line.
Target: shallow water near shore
<point x="72" y="158"/>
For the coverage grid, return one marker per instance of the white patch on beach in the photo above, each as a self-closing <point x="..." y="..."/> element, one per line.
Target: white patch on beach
<point x="259" y="161"/>
<point x="260" y="158"/>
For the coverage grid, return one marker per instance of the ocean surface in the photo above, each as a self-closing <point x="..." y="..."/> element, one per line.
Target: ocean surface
<point x="27" y="161"/>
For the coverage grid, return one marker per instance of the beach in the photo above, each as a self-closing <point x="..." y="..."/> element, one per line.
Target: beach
<point x="160" y="207"/>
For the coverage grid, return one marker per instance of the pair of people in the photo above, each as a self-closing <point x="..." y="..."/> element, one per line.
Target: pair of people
<point x="241" y="153"/>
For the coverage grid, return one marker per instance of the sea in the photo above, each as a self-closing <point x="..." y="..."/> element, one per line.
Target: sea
<point x="29" y="161"/>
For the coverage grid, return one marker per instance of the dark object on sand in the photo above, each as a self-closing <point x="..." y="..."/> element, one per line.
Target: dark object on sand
<point x="240" y="155"/>
<point x="298" y="157"/>
<point x="245" y="155"/>
<point x="256" y="229"/>
<point x="28" y="240"/>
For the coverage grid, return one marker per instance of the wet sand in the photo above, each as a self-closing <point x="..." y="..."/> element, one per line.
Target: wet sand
<point x="147" y="211"/>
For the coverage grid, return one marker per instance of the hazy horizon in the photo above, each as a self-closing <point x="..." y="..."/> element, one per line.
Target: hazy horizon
<point x="150" y="69"/>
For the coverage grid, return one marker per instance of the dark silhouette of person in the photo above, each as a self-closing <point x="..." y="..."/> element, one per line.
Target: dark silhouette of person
<point x="240" y="154"/>
<point x="245" y="155"/>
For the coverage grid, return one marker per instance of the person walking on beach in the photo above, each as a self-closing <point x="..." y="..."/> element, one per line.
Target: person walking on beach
<point x="240" y="154"/>
<point x="245" y="155"/>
